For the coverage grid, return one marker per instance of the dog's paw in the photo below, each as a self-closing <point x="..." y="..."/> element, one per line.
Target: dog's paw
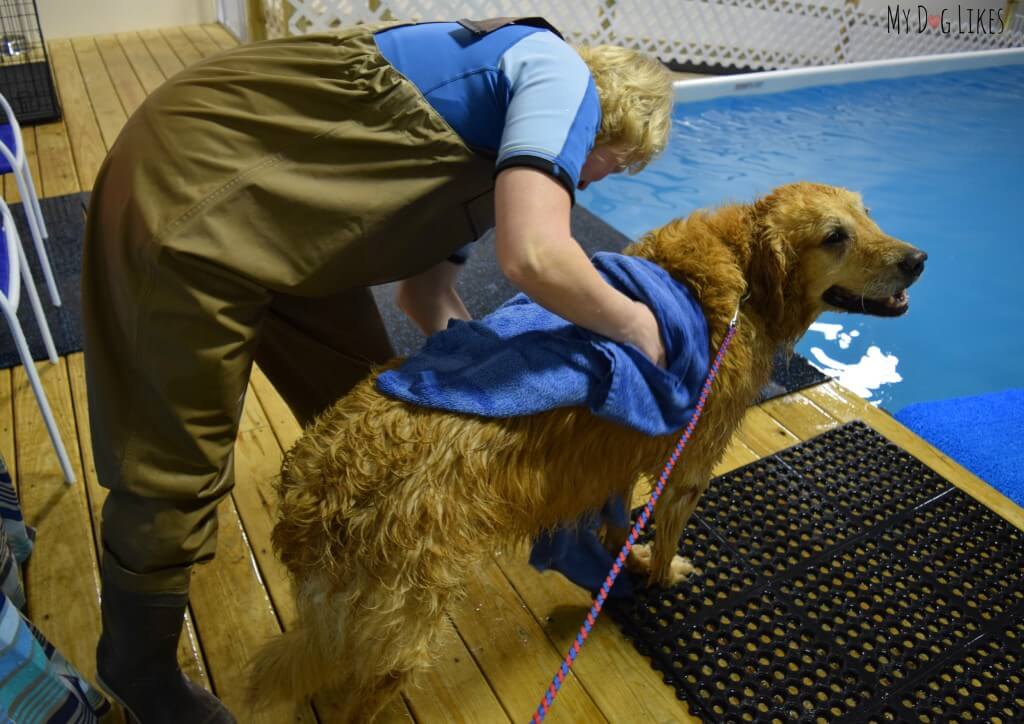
<point x="680" y="570"/>
<point x="639" y="559"/>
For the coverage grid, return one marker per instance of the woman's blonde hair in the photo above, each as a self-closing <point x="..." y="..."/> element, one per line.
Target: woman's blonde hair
<point x="636" y="101"/>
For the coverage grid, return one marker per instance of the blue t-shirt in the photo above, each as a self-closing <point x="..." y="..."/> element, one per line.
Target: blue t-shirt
<point x="519" y="93"/>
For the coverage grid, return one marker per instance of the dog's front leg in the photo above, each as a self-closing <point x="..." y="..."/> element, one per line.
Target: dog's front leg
<point x="661" y="564"/>
<point x="669" y="569"/>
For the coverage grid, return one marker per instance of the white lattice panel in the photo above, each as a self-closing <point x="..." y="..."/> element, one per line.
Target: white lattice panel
<point x="729" y="33"/>
<point x="751" y="33"/>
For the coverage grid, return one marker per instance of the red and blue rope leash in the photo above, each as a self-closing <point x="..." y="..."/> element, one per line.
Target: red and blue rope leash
<point x="638" y="526"/>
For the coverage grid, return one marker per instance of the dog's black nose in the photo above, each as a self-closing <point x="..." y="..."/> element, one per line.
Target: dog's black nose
<point x="913" y="264"/>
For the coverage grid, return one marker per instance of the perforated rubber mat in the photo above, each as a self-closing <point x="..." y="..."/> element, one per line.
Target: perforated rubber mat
<point x="790" y="372"/>
<point x="841" y="580"/>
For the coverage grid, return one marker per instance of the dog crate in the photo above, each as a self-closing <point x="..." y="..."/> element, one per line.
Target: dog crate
<point x="25" y="77"/>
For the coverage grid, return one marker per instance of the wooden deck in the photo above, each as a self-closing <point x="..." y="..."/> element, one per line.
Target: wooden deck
<point x="516" y="625"/>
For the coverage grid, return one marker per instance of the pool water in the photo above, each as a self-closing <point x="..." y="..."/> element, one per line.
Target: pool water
<point x="940" y="162"/>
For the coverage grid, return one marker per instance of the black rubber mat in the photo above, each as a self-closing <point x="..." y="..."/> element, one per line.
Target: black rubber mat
<point x="790" y="372"/>
<point x="65" y="221"/>
<point x="841" y="580"/>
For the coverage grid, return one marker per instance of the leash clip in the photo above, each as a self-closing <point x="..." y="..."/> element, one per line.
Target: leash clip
<point x="736" y="316"/>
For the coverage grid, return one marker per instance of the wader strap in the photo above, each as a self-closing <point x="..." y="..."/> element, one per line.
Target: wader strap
<point x="483" y="27"/>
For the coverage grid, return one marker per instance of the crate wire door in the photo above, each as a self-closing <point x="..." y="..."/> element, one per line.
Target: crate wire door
<point x="25" y="77"/>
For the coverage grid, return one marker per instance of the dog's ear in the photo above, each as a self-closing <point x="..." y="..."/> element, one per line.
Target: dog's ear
<point x="769" y="262"/>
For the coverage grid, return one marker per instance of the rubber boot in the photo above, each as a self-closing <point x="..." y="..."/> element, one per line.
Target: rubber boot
<point x="137" y="660"/>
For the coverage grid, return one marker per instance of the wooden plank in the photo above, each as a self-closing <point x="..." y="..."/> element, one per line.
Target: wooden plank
<point x="96" y="493"/>
<point x="279" y="415"/>
<point x="62" y="577"/>
<point x="799" y="415"/>
<point x="455" y="689"/>
<point x="253" y="416"/>
<point x="202" y="42"/>
<point x="9" y="188"/>
<point x="165" y="58"/>
<point x="234" y="617"/>
<point x="257" y="464"/>
<point x="330" y="709"/>
<point x="57" y="175"/>
<point x="7" y="442"/>
<point x="145" y="67"/>
<point x="844" y="405"/>
<point x="514" y="653"/>
<point x="11" y="193"/>
<point x="181" y="46"/>
<point x="220" y="35"/>
<point x="110" y="113"/>
<point x="83" y="132"/>
<point x="30" y="137"/>
<point x="763" y="434"/>
<point x="190" y="656"/>
<point x="126" y="84"/>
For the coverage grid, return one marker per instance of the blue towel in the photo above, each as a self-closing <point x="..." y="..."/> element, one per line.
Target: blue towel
<point x="982" y="433"/>
<point x="523" y="359"/>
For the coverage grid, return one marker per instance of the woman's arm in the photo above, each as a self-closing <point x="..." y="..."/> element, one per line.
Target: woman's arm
<point x="537" y="253"/>
<point x="429" y="299"/>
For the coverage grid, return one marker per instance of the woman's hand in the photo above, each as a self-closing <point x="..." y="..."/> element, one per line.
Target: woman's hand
<point x="646" y="336"/>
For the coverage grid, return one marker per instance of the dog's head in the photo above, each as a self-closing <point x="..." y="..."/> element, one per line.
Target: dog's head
<point x="815" y="249"/>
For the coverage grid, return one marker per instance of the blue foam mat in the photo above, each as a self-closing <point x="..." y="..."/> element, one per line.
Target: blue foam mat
<point x="984" y="433"/>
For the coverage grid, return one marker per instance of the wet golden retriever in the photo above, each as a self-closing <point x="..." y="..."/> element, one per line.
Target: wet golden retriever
<point x="386" y="508"/>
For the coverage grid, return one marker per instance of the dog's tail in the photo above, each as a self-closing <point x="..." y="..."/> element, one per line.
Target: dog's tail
<point x="289" y="667"/>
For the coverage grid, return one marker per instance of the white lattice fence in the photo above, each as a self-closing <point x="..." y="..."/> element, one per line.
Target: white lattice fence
<point x="727" y="33"/>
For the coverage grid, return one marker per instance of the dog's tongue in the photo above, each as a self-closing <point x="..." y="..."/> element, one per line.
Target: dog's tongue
<point x="899" y="300"/>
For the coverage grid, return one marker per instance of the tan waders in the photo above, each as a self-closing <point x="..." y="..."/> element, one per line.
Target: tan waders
<point x="241" y="215"/>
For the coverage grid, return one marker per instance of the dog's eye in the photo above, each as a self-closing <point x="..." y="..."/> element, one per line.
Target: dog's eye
<point x="835" y="237"/>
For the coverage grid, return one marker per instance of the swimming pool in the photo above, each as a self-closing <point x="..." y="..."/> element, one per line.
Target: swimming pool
<point x="939" y="159"/>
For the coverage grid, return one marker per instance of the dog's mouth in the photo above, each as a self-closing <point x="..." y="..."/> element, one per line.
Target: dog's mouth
<point x="892" y="306"/>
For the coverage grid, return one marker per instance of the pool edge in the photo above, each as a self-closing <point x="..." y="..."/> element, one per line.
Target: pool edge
<point x="776" y="81"/>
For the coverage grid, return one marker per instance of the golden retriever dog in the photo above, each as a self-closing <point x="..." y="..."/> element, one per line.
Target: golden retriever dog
<point x="387" y="508"/>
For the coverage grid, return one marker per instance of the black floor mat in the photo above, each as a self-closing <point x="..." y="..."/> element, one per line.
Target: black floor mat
<point x="841" y="580"/>
<point x="789" y="374"/>
<point x="65" y="222"/>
